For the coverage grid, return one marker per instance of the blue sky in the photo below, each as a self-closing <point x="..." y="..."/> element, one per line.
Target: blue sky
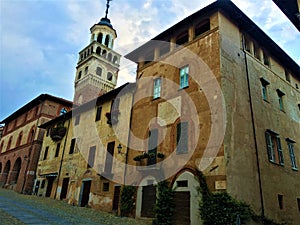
<point x="40" y="39"/>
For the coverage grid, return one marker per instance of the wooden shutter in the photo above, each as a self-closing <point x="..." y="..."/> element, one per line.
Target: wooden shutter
<point x="182" y="137"/>
<point x="92" y="156"/>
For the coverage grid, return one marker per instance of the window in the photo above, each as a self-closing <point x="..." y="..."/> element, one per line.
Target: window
<point x="287" y="76"/>
<point x="164" y="48"/>
<point x="98" y="113"/>
<point x="72" y="146"/>
<point x="109" y="76"/>
<point x="105" y="186"/>
<point x="48" y="131"/>
<point x="57" y="149"/>
<point x="256" y="51"/>
<point x="91" y="158"/>
<point x="290" y="144"/>
<point x="62" y="111"/>
<point x="202" y="28"/>
<point x="280" y="201"/>
<point x="275" y="154"/>
<point x="266" y="59"/>
<point x="79" y="75"/>
<point x="77" y="119"/>
<point x="184" y="77"/>
<point x="99" y="71"/>
<point x="247" y="44"/>
<point x="296" y="86"/>
<point x="109" y="157"/>
<point x="182" y="183"/>
<point x="9" y="143"/>
<point x="182" y="138"/>
<point x="19" y="139"/>
<point x="86" y="70"/>
<point x="46" y="153"/>
<point x="280" y="99"/>
<point x="182" y="38"/>
<point x="157" y="88"/>
<point x="298" y="203"/>
<point x="264" y="90"/>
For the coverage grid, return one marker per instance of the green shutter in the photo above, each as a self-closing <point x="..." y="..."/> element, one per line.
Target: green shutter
<point x="271" y="155"/>
<point x="280" y="153"/>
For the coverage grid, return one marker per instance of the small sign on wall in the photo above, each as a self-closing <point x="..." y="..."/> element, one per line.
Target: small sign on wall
<point x="220" y="185"/>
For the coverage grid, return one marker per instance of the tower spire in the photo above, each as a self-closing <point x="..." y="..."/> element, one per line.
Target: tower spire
<point x="107" y="7"/>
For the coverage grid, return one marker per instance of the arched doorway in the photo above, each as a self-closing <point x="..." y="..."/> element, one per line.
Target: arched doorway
<point x="186" y="199"/>
<point x="5" y="172"/>
<point x="146" y="198"/>
<point x="16" y="171"/>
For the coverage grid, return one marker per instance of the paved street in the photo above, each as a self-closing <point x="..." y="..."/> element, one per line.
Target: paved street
<point x="24" y="209"/>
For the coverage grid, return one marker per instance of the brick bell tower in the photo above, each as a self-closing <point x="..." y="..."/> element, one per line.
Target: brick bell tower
<point x="98" y="65"/>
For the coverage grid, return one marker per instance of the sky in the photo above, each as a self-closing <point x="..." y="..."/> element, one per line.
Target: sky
<point x="40" y="39"/>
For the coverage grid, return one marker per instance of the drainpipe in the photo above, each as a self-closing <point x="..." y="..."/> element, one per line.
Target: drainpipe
<point x="253" y="128"/>
<point x="62" y="158"/>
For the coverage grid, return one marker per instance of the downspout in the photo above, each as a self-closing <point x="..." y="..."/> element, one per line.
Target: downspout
<point x="253" y="128"/>
<point x="62" y="158"/>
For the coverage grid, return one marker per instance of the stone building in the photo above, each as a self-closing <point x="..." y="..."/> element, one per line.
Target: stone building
<point x="84" y="152"/>
<point x="22" y="140"/>
<point x="224" y="102"/>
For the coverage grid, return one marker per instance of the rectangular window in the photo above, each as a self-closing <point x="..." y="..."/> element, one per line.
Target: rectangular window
<point x="184" y="77"/>
<point x="266" y="59"/>
<point x="77" y="120"/>
<point x="182" y="38"/>
<point x="182" y="183"/>
<point x="256" y="51"/>
<point x="280" y="201"/>
<point x="157" y="88"/>
<point x="202" y="28"/>
<point x="287" y="75"/>
<point x="57" y="149"/>
<point x="264" y="90"/>
<point x="275" y="153"/>
<point x="290" y="144"/>
<point x="182" y="138"/>
<point x="152" y="146"/>
<point x="105" y="187"/>
<point x="280" y="99"/>
<point x="46" y="153"/>
<point x="91" y="158"/>
<point x="72" y="147"/>
<point x="298" y="202"/>
<point x="98" y="113"/>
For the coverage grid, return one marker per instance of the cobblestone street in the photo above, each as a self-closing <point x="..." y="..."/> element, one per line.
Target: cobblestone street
<point x="25" y="209"/>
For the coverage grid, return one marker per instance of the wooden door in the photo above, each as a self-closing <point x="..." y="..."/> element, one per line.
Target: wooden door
<point x="86" y="188"/>
<point x="182" y="208"/>
<point x="148" y="201"/>
<point x="64" y="189"/>
<point x="116" y="197"/>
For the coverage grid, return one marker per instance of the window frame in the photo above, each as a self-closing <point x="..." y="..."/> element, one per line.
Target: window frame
<point x="182" y="139"/>
<point x="264" y="89"/>
<point x="156" y="88"/>
<point x="274" y="149"/>
<point x="184" y="77"/>
<point x="280" y="95"/>
<point x="72" y="146"/>
<point x="290" y="145"/>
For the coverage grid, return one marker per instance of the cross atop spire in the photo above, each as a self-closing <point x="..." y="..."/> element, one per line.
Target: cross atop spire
<point x="107" y="7"/>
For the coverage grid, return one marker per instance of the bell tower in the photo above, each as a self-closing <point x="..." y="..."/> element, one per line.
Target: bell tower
<point x="98" y="65"/>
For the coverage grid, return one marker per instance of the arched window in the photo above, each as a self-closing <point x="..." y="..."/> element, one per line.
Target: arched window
<point x="9" y="143"/>
<point x="107" y="39"/>
<point x="86" y="70"/>
<point x="104" y="53"/>
<point x="79" y="75"/>
<point x="92" y="49"/>
<point x="98" y="51"/>
<point x="100" y="37"/>
<point x="19" y="139"/>
<point x="115" y="61"/>
<point x="31" y="135"/>
<point x="109" y="76"/>
<point x="99" y="71"/>
<point x="109" y="57"/>
<point x="62" y="111"/>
